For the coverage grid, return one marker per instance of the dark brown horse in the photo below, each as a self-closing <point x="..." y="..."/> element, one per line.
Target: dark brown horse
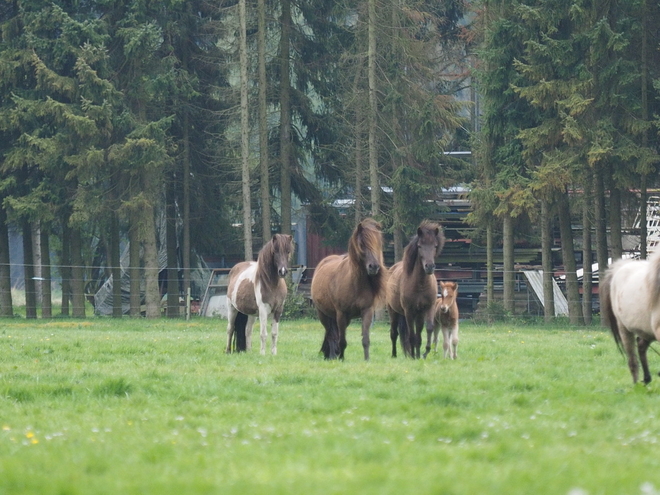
<point x="257" y="288"/>
<point x="350" y="286"/>
<point x="412" y="290"/>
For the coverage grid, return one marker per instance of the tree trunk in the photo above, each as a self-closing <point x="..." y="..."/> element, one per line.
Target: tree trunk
<point x="115" y="266"/>
<point x="65" y="267"/>
<point x="615" y="223"/>
<point x="396" y="228"/>
<point x="285" y="117"/>
<point x="28" y="263"/>
<point x="546" y="260"/>
<point x="358" y="156"/>
<point x="151" y="268"/>
<point x="185" y="248"/>
<point x="77" y="275"/>
<point x="373" y="112"/>
<point x="6" y="303"/>
<point x="172" y="258"/>
<point x="490" y="279"/>
<point x="46" y="290"/>
<point x="509" y="274"/>
<point x="568" y="258"/>
<point x="134" y="272"/>
<point x="264" y="156"/>
<point x="245" y="136"/>
<point x="643" y="237"/>
<point x="587" y="257"/>
<point x="601" y="222"/>
<point x="36" y="261"/>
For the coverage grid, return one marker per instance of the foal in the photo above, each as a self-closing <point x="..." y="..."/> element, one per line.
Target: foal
<point x="446" y="317"/>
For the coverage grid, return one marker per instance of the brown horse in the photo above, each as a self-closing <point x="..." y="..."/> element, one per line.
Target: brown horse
<point x="630" y="306"/>
<point x="446" y="318"/>
<point x="257" y="288"/>
<point x="413" y="289"/>
<point x="350" y="286"/>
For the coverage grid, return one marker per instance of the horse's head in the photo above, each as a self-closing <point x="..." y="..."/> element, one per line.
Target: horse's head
<point x="448" y="293"/>
<point x="429" y="242"/>
<point x="366" y="246"/>
<point x="282" y="250"/>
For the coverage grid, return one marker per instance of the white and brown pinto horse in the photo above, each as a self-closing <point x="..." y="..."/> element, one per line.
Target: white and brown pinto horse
<point x="350" y="286"/>
<point x="413" y="289"/>
<point x="257" y="288"/>
<point x="446" y="319"/>
<point x="630" y="306"/>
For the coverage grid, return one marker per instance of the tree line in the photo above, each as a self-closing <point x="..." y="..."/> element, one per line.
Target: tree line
<point x="223" y="117"/>
<point x="569" y="131"/>
<point x="212" y="114"/>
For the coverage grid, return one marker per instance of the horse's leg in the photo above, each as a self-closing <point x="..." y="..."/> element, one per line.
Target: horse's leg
<point x="407" y="331"/>
<point x="417" y="336"/>
<point x="454" y="340"/>
<point x="429" y="331"/>
<point x="642" y="347"/>
<point x="248" y="331"/>
<point x="274" y="331"/>
<point x="628" y="342"/>
<point x="331" y="338"/>
<point x="342" y="323"/>
<point x="446" y="336"/>
<point x="231" y="316"/>
<point x="394" y="331"/>
<point x="367" y="320"/>
<point x="436" y="332"/>
<point x="263" y="326"/>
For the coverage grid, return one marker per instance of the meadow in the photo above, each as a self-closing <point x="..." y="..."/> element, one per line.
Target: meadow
<point x="156" y="407"/>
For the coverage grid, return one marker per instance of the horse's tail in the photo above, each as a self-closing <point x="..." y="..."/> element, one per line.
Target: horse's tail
<point x="240" y="323"/>
<point x="608" y="319"/>
<point x="402" y="327"/>
<point x="325" y="346"/>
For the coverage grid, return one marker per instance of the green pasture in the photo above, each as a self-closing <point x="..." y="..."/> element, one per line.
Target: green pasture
<point x="156" y="407"/>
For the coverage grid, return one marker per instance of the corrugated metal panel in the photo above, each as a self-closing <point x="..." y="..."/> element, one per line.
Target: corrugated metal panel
<point x="535" y="280"/>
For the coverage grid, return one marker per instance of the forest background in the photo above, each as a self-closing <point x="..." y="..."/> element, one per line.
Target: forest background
<point x="223" y="118"/>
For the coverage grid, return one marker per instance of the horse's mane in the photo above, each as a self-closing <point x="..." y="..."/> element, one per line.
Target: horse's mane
<point x="428" y="230"/>
<point x="266" y="268"/>
<point x="367" y="238"/>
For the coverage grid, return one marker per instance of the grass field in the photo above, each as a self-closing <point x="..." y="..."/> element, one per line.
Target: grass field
<point x="156" y="407"/>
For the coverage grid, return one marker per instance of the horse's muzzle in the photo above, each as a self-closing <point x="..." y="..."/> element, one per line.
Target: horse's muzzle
<point x="429" y="269"/>
<point x="282" y="272"/>
<point x="373" y="268"/>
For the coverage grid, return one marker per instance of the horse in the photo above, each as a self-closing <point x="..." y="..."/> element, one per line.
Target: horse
<point x="446" y="318"/>
<point x="257" y="288"/>
<point x="412" y="290"/>
<point x="630" y="306"/>
<point x="349" y="286"/>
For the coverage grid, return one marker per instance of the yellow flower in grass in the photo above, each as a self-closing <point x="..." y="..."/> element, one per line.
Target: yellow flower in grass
<point x="5" y="428"/>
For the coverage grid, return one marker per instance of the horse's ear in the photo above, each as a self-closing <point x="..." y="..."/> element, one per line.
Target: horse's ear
<point x="420" y="232"/>
<point x="290" y="238"/>
<point x="455" y="284"/>
<point x="359" y="228"/>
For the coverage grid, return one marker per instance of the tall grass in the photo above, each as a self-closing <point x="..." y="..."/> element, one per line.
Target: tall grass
<point x="140" y="407"/>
